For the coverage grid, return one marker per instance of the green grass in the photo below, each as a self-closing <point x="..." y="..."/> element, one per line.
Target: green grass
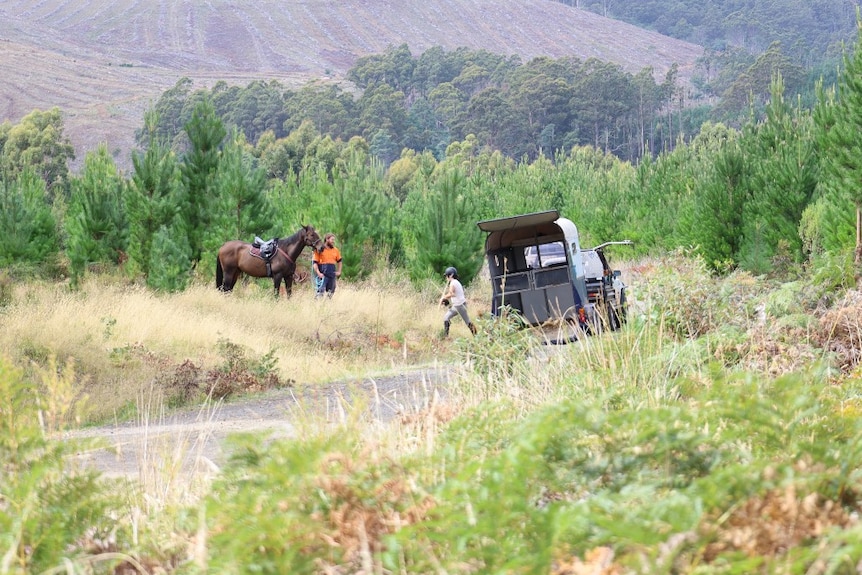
<point x="722" y="437"/>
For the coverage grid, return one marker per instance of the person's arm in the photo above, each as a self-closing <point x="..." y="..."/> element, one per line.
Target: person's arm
<point x="447" y="294"/>
<point x="338" y="268"/>
<point x="316" y="269"/>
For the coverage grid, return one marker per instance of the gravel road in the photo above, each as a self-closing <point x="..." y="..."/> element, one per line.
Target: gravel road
<point x="194" y="438"/>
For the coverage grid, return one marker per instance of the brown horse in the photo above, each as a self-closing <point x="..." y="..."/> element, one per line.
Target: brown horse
<point x="235" y="258"/>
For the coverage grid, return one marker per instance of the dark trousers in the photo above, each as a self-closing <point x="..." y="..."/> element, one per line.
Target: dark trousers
<point x="328" y="283"/>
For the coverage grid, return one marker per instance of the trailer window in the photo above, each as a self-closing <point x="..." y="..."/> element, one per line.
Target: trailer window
<point x="545" y="255"/>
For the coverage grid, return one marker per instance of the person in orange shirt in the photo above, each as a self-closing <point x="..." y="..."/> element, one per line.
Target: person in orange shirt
<point x="327" y="266"/>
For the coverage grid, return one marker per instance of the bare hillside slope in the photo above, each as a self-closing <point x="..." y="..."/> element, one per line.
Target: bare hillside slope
<point x="103" y="62"/>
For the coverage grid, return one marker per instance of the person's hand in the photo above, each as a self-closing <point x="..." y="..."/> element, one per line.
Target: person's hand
<point x="338" y="274"/>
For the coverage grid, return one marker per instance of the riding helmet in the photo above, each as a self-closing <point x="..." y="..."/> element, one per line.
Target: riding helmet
<point x="450" y="271"/>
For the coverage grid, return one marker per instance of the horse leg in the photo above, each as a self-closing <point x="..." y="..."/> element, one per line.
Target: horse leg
<point x="230" y="278"/>
<point x="276" y="280"/>
<point x="288" y="284"/>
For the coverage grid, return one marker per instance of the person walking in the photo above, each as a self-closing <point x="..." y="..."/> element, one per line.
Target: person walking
<point x="455" y="298"/>
<point x="327" y="266"/>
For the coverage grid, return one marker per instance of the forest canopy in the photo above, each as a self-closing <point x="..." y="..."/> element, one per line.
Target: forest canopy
<point x="397" y="101"/>
<point x="401" y="162"/>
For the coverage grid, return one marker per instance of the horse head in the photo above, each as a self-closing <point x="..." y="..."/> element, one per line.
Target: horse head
<point x="312" y="238"/>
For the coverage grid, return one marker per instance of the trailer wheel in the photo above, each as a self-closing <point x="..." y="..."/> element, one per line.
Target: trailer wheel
<point x="618" y="313"/>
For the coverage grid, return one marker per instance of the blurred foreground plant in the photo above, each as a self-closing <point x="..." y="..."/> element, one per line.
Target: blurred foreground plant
<point x="50" y="512"/>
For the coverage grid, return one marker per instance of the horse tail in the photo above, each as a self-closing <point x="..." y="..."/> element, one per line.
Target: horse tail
<point x="219" y="274"/>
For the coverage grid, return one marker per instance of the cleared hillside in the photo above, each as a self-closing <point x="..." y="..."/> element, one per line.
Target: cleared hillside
<point x="105" y="61"/>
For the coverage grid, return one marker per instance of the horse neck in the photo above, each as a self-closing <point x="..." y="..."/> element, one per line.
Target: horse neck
<point x="292" y="246"/>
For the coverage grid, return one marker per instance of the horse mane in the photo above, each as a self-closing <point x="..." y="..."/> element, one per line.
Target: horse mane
<point x="296" y="237"/>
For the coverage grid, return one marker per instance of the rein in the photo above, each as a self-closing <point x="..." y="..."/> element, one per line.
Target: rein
<point x="284" y="253"/>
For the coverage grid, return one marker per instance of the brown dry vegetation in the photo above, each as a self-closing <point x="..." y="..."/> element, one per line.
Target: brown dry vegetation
<point x="126" y="339"/>
<point x="373" y="479"/>
<point x="104" y="62"/>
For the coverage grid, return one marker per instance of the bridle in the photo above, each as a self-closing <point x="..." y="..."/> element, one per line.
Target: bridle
<point x="307" y="242"/>
<point x="313" y="244"/>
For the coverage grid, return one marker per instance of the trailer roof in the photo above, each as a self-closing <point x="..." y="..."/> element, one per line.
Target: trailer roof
<point x="522" y="221"/>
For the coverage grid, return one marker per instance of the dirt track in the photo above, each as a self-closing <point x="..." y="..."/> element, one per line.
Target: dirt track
<point x="194" y="438"/>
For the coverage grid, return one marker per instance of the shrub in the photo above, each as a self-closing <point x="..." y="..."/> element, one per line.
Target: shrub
<point x="49" y="510"/>
<point x="6" y="285"/>
<point x="330" y="507"/>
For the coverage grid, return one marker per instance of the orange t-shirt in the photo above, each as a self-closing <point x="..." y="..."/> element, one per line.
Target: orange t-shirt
<point x="327" y="256"/>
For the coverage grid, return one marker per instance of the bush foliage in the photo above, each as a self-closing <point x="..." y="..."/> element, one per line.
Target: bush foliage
<point x="708" y="435"/>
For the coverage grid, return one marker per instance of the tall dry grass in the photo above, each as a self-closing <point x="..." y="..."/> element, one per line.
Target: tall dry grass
<point x="121" y="338"/>
<point x="615" y="434"/>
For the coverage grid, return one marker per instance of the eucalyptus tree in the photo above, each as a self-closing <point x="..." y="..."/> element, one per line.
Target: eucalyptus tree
<point x="436" y="66"/>
<point x="493" y="121"/>
<point x="172" y="112"/>
<point x="753" y="86"/>
<point x="450" y="105"/>
<point x="383" y="146"/>
<point x="381" y="107"/>
<point x="604" y="95"/>
<point x="540" y="98"/>
<point x="649" y="101"/>
<point x="330" y="110"/>
<point x="257" y="108"/>
<point x="425" y="129"/>
<point x="284" y="157"/>
<point x="38" y="142"/>
<point x="394" y="68"/>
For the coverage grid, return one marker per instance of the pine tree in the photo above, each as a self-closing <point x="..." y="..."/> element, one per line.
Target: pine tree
<point x="152" y="199"/>
<point x="446" y="233"/>
<point x="718" y="207"/>
<point x="29" y="229"/>
<point x="96" y="225"/>
<point x="206" y="133"/>
<point x="841" y="134"/>
<point x="170" y="259"/>
<point x="365" y="218"/>
<point x="833" y="225"/>
<point x="245" y="209"/>
<point x="780" y="156"/>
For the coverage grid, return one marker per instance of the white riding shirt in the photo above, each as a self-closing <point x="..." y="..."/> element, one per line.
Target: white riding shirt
<point x="457" y="291"/>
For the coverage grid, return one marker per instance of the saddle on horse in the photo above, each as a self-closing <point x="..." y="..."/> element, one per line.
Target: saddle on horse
<point x="264" y="249"/>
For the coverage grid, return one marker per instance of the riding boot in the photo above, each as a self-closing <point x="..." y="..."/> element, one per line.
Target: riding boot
<point x="446" y="325"/>
<point x="472" y="327"/>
